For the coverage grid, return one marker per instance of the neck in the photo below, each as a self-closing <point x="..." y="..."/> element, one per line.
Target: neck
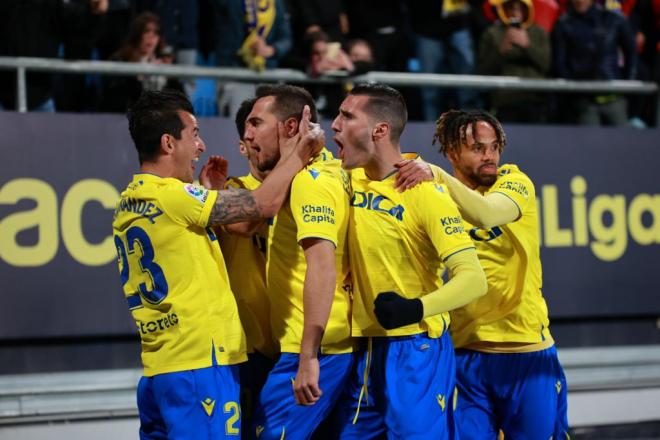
<point x="470" y="183"/>
<point x="158" y="169"/>
<point x="260" y="176"/>
<point x="382" y="162"/>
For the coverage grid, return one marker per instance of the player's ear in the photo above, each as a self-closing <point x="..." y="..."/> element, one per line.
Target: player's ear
<point x="242" y="148"/>
<point x="166" y="144"/>
<point x="380" y="131"/>
<point x="291" y="127"/>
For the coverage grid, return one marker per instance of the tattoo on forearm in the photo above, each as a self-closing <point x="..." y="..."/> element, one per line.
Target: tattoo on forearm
<point x="233" y="206"/>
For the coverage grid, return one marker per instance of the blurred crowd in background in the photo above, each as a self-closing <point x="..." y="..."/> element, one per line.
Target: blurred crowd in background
<point x="572" y="39"/>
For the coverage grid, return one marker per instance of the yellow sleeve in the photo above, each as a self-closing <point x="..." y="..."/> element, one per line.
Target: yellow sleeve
<point x="467" y="282"/>
<point x="314" y="204"/>
<point x="494" y="209"/>
<point x="516" y="186"/>
<point x="441" y="220"/>
<point x="188" y="204"/>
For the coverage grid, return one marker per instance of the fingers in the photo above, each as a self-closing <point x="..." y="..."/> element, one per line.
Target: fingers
<point x="304" y="126"/>
<point x="307" y="394"/>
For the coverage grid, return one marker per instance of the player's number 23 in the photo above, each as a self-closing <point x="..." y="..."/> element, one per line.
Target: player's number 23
<point x="136" y="235"/>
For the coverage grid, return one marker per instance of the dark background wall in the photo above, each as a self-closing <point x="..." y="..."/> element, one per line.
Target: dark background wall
<point x="60" y="175"/>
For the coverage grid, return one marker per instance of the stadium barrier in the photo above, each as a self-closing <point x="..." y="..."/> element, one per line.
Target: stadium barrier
<point x="23" y="64"/>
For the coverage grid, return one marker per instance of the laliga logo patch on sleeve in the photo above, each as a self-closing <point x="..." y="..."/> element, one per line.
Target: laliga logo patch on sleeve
<point x="198" y="192"/>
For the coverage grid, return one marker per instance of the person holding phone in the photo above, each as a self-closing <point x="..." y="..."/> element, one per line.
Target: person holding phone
<point x="515" y="46"/>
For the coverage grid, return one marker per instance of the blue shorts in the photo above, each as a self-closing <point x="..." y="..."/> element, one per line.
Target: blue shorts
<point x="410" y="391"/>
<point x="190" y="404"/>
<point x="522" y="394"/>
<point x="278" y="416"/>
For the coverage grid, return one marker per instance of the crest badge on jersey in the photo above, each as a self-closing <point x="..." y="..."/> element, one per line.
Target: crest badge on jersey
<point x="196" y="191"/>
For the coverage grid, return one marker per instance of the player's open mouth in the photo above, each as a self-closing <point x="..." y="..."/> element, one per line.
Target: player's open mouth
<point x="489" y="168"/>
<point x="340" y="148"/>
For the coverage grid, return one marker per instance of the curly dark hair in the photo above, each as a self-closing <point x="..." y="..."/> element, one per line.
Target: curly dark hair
<point x="451" y="126"/>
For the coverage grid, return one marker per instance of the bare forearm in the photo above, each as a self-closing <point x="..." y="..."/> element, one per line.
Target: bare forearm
<point x="318" y="293"/>
<point x="272" y="193"/>
<point x="234" y="205"/>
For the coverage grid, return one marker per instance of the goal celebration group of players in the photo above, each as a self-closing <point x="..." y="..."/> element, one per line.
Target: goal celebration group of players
<point x="306" y="298"/>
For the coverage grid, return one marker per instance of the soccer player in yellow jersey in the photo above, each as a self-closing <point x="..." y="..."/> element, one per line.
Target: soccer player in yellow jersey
<point x="246" y="266"/>
<point x="307" y="266"/>
<point x="404" y="383"/>
<point x="173" y="273"/>
<point x="508" y="373"/>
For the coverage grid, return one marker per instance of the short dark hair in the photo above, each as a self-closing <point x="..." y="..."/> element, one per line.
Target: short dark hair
<point x="289" y="101"/>
<point x="242" y="114"/>
<point x="154" y="114"/>
<point x="385" y="104"/>
<point x="451" y="126"/>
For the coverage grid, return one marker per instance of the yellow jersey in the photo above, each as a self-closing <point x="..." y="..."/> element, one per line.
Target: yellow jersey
<point x="317" y="208"/>
<point x="397" y="242"/>
<point x="513" y="310"/>
<point x="246" y="266"/>
<point x="174" y="276"/>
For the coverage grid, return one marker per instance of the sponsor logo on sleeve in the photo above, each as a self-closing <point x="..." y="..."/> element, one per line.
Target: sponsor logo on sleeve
<point x="197" y="192"/>
<point x="452" y="225"/>
<point x="318" y="214"/>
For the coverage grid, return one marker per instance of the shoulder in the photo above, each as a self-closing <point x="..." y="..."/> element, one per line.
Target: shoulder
<point x="426" y="192"/>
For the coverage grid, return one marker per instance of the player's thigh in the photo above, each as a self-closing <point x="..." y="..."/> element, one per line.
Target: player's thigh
<point x="277" y="412"/>
<point x="152" y="425"/>
<point x="535" y="402"/>
<point x="358" y="416"/>
<point x="200" y="403"/>
<point x="475" y="413"/>
<point x="419" y="381"/>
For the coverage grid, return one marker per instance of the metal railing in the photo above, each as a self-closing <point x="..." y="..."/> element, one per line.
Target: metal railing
<point x="480" y="82"/>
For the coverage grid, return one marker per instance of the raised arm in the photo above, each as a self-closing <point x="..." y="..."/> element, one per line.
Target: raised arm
<point x="239" y="205"/>
<point x="494" y="209"/>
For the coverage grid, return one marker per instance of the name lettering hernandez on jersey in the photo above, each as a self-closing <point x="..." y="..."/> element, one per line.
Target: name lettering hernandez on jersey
<point x="146" y="209"/>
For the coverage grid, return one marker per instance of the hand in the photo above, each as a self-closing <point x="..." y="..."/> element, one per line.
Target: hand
<point x="412" y="173"/>
<point x="306" y="385"/>
<point x="394" y="311"/>
<point x="518" y="36"/>
<point x="307" y="143"/>
<point x="260" y="47"/>
<point x="99" y="6"/>
<point x="214" y="173"/>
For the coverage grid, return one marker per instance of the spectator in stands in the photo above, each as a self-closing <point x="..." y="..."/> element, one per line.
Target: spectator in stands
<point x="360" y="53"/>
<point x="36" y="29"/>
<point x="645" y="19"/>
<point x="587" y="42"/>
<point x="248" y="36"/>
<point x="328" y="16"/>
<point x="516" y="46"/>
<point x="381" y="24"/>
<point x="143" y="45"/>
<point x="444" y="45"/>
<point x="179" y="27"/>
<point x="326" y="56"/>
